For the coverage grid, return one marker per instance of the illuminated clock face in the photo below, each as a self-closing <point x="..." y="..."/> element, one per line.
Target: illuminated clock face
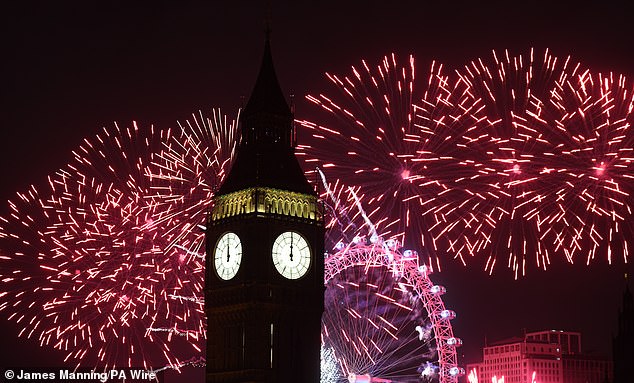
<point x="227" y="256"/>
<point x="291" y="255"/>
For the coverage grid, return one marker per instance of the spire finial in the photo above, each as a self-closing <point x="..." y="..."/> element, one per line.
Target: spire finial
<point x="267" y="20"/>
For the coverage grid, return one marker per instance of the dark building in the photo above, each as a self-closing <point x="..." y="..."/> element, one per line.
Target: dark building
<point x="623" y="342"/>
<point x="264" y="289"/>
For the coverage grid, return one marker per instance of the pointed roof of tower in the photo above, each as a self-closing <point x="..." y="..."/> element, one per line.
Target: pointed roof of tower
<point x="265" y="156"/>
<point x="267" y="96"/>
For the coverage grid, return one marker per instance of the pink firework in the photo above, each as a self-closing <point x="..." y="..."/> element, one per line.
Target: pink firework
<point x="500" y="212"/>
<point x="536" y="168"/>
<point x="515" y="160"/>
<point x="594" y="147"/>
<point x="393" y="144"/>
<point x="104" y="267"/>
<point x="92" y="256"/>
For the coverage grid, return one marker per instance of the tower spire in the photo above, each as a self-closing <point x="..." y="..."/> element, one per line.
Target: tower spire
<point x="266" y="118"/>
<point x="266" y="156"/>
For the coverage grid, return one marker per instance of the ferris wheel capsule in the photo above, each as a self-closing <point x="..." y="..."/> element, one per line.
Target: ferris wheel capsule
<point x="454" y="341"/>
<point x="447" y="314"/>
<point x="438" y="290"/>
<point x="410" y="255"/>
<point x="391" y="244"/>
<point x="456" y="371"/>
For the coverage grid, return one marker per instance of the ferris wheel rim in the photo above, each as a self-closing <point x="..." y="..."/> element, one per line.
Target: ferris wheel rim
<point x="377" y="254"/>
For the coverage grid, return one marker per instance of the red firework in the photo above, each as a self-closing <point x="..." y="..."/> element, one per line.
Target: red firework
<point x="594" y="147"/>
<point x="92" y="254"/>
<point x="540" y="174"/>
<point x="105" y="264"/>
<point x="186" y="173"/>
<point x="515" y="158"/>
<point x="393" y="144"/>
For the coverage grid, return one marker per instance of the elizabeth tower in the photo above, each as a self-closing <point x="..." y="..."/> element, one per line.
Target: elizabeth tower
<point x="264" y="286"/>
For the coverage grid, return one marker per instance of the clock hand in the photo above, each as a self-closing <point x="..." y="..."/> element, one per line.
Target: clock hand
<point x="291" y="247"/>
<point x="227" y="251"/>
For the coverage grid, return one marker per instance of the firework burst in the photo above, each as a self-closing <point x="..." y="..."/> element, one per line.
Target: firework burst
<point x="106" y="262"/>
<point x="589" y="119"/>
<point x="92" y="254"/>
<point x="514" y="159"/>
<point x="535" y="166"/>
<point x="393" y="145"/>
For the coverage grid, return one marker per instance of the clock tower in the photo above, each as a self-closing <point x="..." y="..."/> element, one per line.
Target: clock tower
<point x="264" y="282"/>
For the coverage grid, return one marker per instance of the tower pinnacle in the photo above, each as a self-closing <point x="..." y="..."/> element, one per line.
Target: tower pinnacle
<point x="267" y="103"/>
<point x="265" y="156"/>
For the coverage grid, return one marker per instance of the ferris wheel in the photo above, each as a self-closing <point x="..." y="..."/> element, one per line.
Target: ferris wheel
<point x="384" y="319"/>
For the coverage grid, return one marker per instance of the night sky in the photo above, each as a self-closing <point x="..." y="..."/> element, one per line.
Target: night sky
<point x="70" y="68"/>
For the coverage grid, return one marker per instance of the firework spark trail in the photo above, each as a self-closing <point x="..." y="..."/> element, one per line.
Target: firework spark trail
<point x="184" y="176"/>
<point x="504" y="159"/>
<point x="393" y="144"/>
<point x="346" y="218"/>
<point x="538" y="184"/>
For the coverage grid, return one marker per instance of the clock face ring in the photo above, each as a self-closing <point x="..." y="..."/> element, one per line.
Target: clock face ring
<point x="291" y="255"/>
<point x="227" y="256"/>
